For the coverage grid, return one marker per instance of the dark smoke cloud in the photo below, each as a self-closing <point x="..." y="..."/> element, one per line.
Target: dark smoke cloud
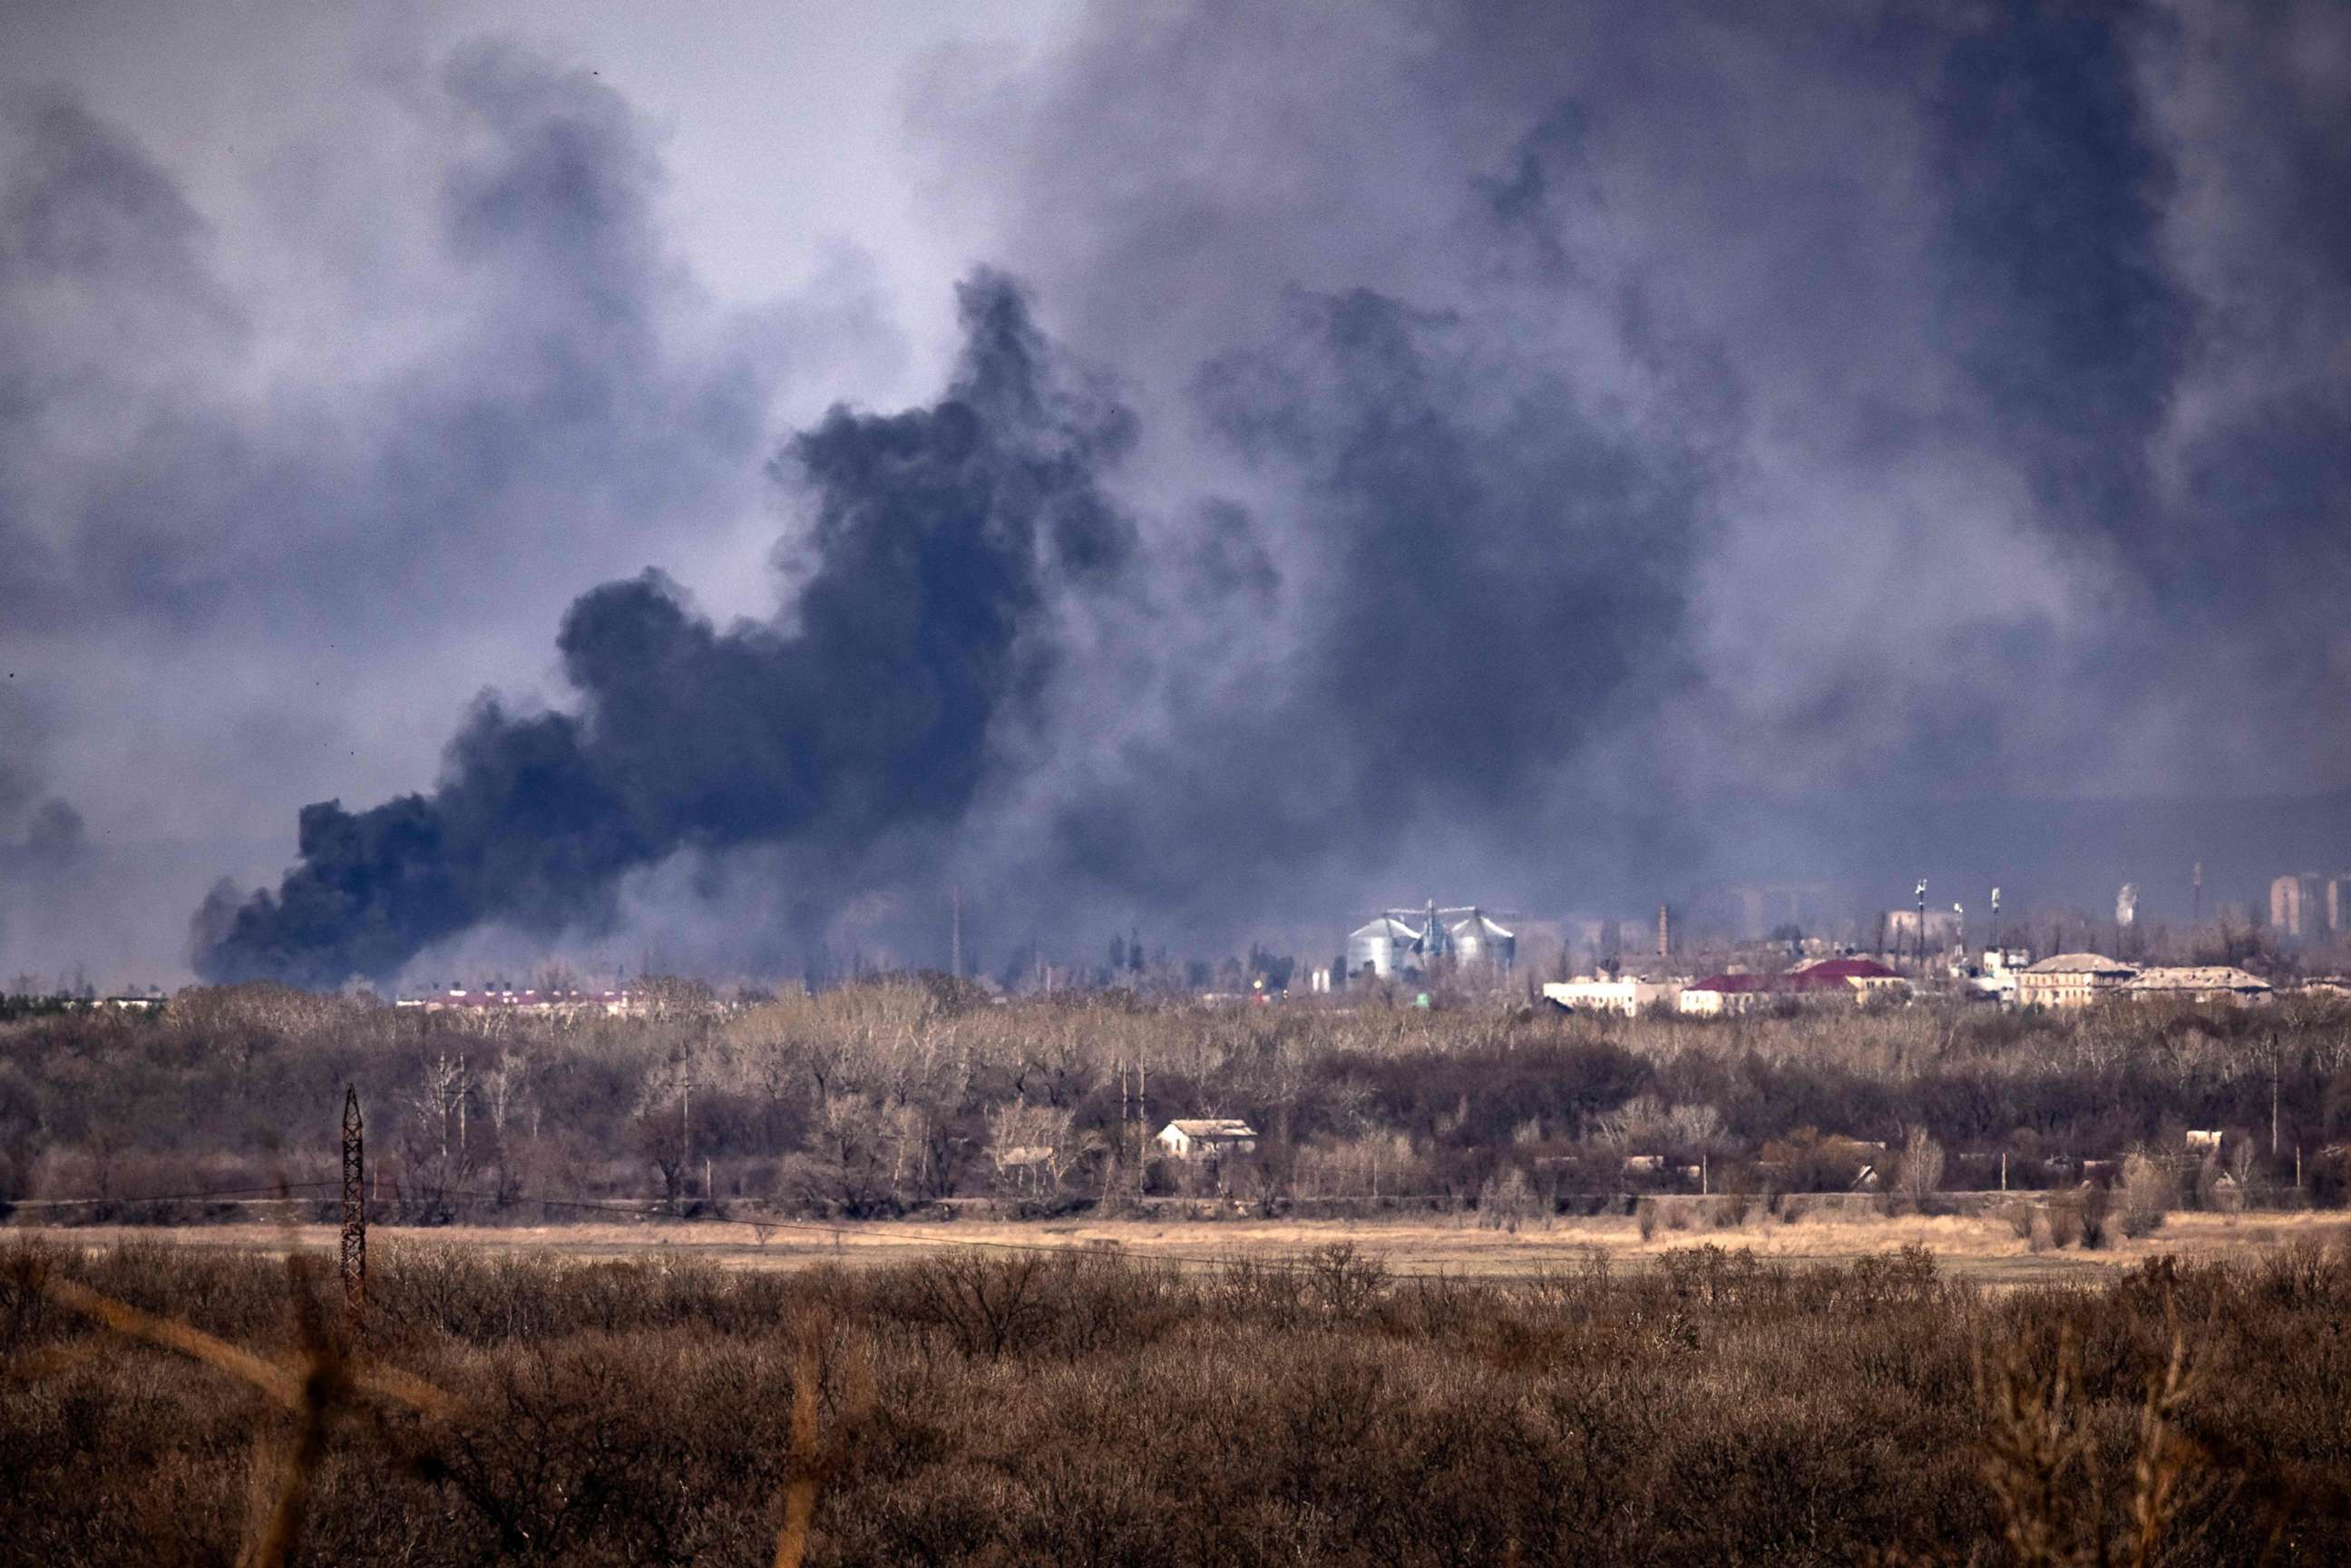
<point x="1489" y="575"/>
<point x="1880" y="404"/>
<point x="941" y="536"/>
<point x="1589" y="453"/>
<point x="2054" y="297"/>
<point x="53" y="908"/>
<point x="1577" y="453"/>
<point x="82" y="217"/>
<point x="269" y="496"/>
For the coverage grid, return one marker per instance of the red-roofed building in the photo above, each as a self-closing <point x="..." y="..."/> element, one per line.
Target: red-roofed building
<point x="1849" y="969"/>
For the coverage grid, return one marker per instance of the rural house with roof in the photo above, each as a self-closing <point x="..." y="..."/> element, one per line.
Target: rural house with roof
<point x="1207" y="1138"/>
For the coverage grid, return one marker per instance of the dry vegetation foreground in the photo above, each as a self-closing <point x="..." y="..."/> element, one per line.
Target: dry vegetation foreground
<point x="1984" y="1249"/>
<point x="195" y="1404"/>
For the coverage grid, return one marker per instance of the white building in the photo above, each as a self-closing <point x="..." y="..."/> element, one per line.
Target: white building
<point x="2072" y="981"/>
<point x="1627" y="996"/>
<point x="612" y="1004"/>
<point x="1207" y="1138"/>
<point x="2201" y="983"/>
<point x="1994" y="977"/>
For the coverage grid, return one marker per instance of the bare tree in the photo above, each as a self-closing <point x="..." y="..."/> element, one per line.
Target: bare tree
<point x="849" y="1156"/>
<point x="1031" y="1145"/>
<point x="432" y="1135"/>
<point x="1644" y="1122"/>
<point x="658" y="1134"/>
<point x="441" y="1090"/>
<point x="505" y="1088"/>
<point x="2243" y="1165"/>
<point x="1507" y="1200"/>
<point x="1921" y="1177"/>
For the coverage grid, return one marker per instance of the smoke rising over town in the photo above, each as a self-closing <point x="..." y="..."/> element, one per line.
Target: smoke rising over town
<point x="1564" y="459"/>
<point x="938" y="536"/>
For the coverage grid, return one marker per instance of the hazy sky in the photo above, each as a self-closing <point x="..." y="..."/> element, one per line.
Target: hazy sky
<point x="1562" y="454"/>
<point x="783" y="131"/>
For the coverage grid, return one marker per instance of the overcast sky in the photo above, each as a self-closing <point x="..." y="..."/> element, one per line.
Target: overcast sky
<point x="1568" y="455"/>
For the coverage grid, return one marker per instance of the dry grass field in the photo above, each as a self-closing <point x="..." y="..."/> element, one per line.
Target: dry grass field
<point x="1982" y="1249"/>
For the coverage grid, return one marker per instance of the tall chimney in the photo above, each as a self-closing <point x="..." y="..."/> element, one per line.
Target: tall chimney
<point x="1665" y="935"/>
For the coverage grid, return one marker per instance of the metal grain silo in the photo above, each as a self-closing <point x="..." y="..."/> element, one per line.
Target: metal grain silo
<point x="1478" y="940"/>
<point x="1384" y="946"/>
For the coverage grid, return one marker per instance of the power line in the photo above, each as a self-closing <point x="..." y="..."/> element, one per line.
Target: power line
<point x="275" y="1189"/>
<point x="651" y="1212"/>
<point x="807" y="1226"/>
<point x="584" y="1206"/>
<point x="1284" y="1264"/>
<point x="1288" y="1264"/>
<point x="1291" y="1264"/>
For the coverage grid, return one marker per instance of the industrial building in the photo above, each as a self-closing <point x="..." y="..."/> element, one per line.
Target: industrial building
<point x="1384" y="947"/>
<point x="1399" y="942"/>
<point x="1475" y="938"/>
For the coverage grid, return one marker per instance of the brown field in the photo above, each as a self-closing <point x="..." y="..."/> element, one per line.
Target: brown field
<point x="188" y="1398"/>
<point x="1980" y="1249"/>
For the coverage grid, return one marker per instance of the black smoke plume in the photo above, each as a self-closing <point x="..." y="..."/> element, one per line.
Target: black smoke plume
<point x="1585" y="452"/>
<point x="1697" y="428"/>
<point x="941" y="538"/>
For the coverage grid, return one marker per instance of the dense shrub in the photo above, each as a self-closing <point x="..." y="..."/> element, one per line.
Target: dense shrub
<point x="2148" y="1194"/>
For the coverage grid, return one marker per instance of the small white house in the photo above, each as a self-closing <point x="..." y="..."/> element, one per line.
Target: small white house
<point x="1208" y="1138"/>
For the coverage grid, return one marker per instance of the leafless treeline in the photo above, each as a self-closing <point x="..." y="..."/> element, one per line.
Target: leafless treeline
<point x="872" y="1098"/>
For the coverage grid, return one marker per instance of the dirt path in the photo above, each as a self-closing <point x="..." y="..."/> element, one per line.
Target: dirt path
<point x="1982" y="1249"/>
